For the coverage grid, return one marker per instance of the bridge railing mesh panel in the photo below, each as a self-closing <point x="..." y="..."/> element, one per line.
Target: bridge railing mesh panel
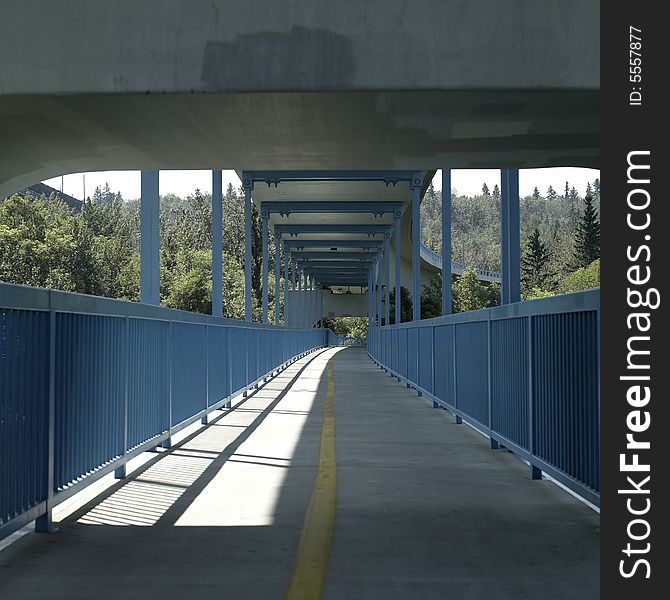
<point x="86" y="383"/>
<point x="526" y="374"/>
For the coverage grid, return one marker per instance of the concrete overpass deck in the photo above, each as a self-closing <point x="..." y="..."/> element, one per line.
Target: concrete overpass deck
<point x="332" y="474"/>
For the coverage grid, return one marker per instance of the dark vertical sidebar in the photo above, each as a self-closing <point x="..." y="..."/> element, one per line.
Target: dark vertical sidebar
<point x="635" y="370"/>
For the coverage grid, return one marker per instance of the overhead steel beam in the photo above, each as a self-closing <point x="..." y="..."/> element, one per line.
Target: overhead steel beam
<point x="302" y="255"/>
<point x="363" y="207"/>
<point x="333" y="264"/>
<point x="294" y="229"/>
<point x="277" y="177"/>
<point x="301" y="244"/>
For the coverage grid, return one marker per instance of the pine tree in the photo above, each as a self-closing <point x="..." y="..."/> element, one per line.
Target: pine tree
<point x="496" y="192"/>
<point x="551" y="193"/>
<point x="534" y="264"/>
<point x="485" y="191"/>
<point x="587" y="236"/>
<point x="567" y="191"/>
<point x="596" y="190"/>
<point x="536" y="193"/>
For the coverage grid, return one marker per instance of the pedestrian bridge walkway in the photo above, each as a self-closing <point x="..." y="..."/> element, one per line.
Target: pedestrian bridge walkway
<point x="330" y="476"/>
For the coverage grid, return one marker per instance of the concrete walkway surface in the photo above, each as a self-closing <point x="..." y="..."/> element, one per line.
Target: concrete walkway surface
<point x="423" y="508"/>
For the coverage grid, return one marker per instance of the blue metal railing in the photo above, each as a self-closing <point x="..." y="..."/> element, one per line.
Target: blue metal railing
<point x="526" y="374"/>
<point x="86" y="383"/>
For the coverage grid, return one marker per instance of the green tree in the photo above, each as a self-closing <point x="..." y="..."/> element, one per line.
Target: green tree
<point x="582" y="279"/>
<point x="406" y="309"/>
<point x="587" y="236"/>
<point x="431" y="298"/>
<point x="347" y="326"/>
<point x="535" y="263"/>
<point x="468" y="293"/>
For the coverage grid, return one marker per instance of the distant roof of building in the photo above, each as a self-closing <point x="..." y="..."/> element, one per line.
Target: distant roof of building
<point x="39" y="190"/>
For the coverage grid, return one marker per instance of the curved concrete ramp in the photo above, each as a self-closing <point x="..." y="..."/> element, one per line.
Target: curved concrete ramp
<point x="400" y="503"/>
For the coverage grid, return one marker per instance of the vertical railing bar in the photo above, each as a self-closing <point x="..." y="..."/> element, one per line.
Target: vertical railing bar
<point x="43" y="523"/>
<point x="204" y="419"/>
<point x="493" y="443"/>
<point x="120" y="472"/>
<point x="168" y="442"/>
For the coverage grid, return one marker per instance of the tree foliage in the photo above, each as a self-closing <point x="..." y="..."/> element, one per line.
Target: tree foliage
<point x="582" y="279"/>
<point x="587" y="236"/>
<point x="96" y="251"/>
<point x="476" y="228"/>
<point x="535" y="263"/>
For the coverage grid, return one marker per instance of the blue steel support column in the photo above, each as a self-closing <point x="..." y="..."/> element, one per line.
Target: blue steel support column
<point x="277" y="278"/>
<point x="387" y="277"/>
<point x="299" y="302"/>
<point x="287" y="312"/>
<point x="380" y="262"/>
<point x="248" y="185"/>
<point x="265" y="295"/>
<point x="294" y="295"/>
<point x="308" y="299"/>
<point x="446" y="241"/>
<point x="321" y="307"/>
<point x="510" y="237"/>
<point x="415" y="186"/>
<point x="217" y="245"/>
<point x="315" y="298"/>
<point x="398" y="216"/>
<point x="150" y="239"/>
<point x="370" y="292"/>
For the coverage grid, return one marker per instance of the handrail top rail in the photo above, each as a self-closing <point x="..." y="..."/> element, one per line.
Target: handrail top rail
<point x="25" y="297"/>
<point x="585" y="301"/>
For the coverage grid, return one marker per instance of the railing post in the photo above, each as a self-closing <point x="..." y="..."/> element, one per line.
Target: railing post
<point x="455" y="341"/>
<point x="168" y="442"/>
<point x="204" y="420"/>
<point x="43" y="523"/>
<point x="494" y="443"/>
<point x="120" y="472"/>
<point x="535" y="472"/>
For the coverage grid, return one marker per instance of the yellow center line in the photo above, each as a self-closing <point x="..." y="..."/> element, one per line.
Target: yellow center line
<point x="311" y="558"/>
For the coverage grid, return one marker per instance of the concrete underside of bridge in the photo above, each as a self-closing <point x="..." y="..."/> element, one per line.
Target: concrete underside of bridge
<point x="251" y="84"/>
<point x="422" y="508"/>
